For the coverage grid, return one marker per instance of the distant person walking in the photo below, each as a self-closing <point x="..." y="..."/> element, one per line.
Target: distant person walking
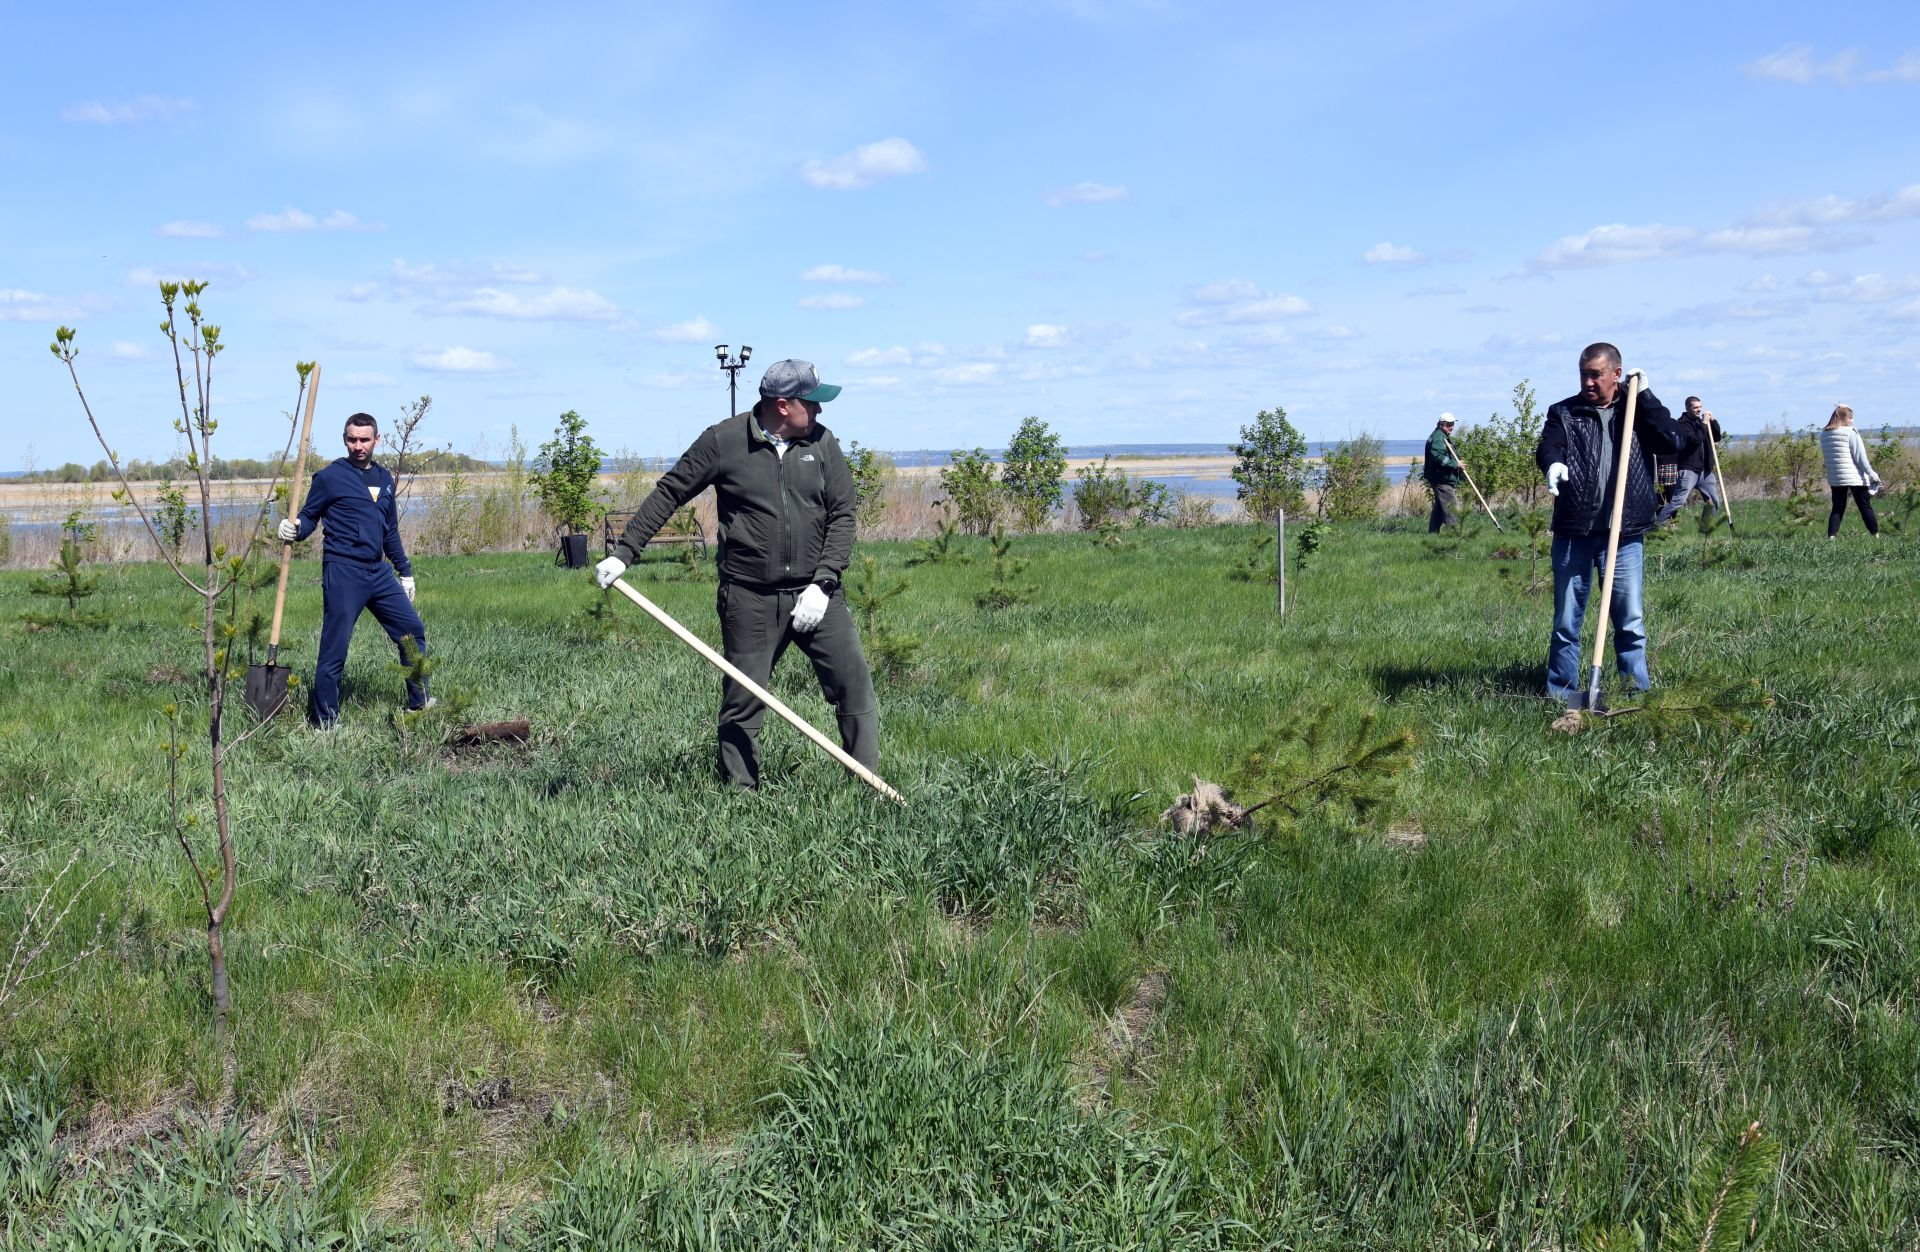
<point x="353" y="499"/>
<point x="1695" y="465"/>
<point x="1848" y="471"/>
<point x="1579" y="451"/>
<point x="1443" y="474"/>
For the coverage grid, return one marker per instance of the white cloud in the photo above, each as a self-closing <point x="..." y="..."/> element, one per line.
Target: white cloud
<point x="1261" y="309"/>
<point x="832" y="300"/>
<point x="1762" y="284"/>
<point x="1054" y="373"/>
<point x="363" y="380"/>
<point x="1908" y="312"/>
<point x="190" y="230"/>
<point x="1610" y="245"/>
<point x="1696" y="376"/>
<point x="1225" y="291"/>
<point x="1860" y="288"/>
<point x="363" y="291"/>
<point x="1449" y="289"/>
<point x="458" y="361"/>
<point x="1085" y="193"/>
<point x="922" y="355"/>
<point x="562" y="304"/>
<point x="506" y="272"/>
<point x="1774" y="240"/>
<point x="1905" y="70"/>
<point x="1384" y="253"/>
<point x="693" y="330"/>
<point x="147" y="108"/>
<point x="865" y="165"/>
<point x="30" y="306"/>
<point x="1042" y="335"/>
<point x="1796" y="63"/>
<point x="881" y="380"/>
<point x="298" y="221"/>
<point x="1833" y="210"/>
<point x="841" y="274"/>
<point x="967" y="375"/>
<point x="120" y="349"/>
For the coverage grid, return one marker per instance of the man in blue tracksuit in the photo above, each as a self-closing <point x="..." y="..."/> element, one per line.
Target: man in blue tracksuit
<point x="353" y="498"/>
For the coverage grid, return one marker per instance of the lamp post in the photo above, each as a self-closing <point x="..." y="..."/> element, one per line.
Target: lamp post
<point x="733" y="367"/>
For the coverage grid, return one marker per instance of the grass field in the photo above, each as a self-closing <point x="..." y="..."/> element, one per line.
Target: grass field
<point x="575" y="995"/>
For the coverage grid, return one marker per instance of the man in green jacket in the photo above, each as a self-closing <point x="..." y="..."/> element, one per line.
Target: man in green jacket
<point x="785" y="499"/>
<point x="1442" y="472"/>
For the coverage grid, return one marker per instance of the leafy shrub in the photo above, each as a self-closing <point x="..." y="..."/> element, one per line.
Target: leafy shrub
<point x="1354" y="477"/>
<point x="1271" y="468"/>
<point x="565" y="473"/>
<point x="1030" y="477"/>
<point x="872" y="472"/>
<point x="972" y="491"/>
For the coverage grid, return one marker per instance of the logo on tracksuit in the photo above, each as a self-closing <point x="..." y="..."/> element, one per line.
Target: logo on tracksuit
<point x="375" y="493"/>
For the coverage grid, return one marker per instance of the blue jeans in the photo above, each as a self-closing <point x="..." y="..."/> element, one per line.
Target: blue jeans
<point x="347" y="590"/>
<point x="1578" y="562"/>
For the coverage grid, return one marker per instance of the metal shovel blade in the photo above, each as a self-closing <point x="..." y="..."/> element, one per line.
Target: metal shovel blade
<point x="267" y="689"/>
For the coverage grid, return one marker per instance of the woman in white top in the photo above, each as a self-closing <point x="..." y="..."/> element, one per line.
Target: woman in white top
<point x="1848" y="471"/>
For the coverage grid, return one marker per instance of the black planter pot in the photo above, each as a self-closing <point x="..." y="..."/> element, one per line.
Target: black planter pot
<point x="573" y="552"/>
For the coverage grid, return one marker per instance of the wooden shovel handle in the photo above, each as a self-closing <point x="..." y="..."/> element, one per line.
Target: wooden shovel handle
<point x="1619" y="508"/>
<point x="293" y="510"/>
<point x="760" y="693"/>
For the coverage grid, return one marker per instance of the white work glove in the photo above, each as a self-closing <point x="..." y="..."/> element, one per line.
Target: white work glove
<point x="1556" y="474"/>
<point x="608" y="570"/>
<point x="289" y="530"/>
<point x="809" y="608"/>
<point x="406" y="585"/>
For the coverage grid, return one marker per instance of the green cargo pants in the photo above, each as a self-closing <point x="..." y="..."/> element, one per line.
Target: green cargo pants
<point x="755" y="629"/>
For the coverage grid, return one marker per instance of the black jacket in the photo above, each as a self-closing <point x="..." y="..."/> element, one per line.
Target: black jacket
<point x="785" y="521"/>
<point x="1697" y="458"/>
<point x="1571" y="436"/>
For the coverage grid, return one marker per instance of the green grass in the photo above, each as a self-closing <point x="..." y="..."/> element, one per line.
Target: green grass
<point x="1527" y="1002"/>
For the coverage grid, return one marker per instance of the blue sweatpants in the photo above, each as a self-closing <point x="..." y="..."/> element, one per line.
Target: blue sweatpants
<point x="346" y="589"/>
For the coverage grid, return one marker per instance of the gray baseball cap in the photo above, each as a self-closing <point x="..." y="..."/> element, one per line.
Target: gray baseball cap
<point x="795" y="380"/>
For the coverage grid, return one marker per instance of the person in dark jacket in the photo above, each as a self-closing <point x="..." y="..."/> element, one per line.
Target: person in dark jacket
<point x="353" y="499"/>
<point x="1443" y="474"/>
<point x="1694" y="467"/>
<point x="785" y="499"/>
<point x="1579" y="452"/>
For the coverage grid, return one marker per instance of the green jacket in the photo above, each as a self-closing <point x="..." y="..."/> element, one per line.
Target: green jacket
<point x="1442" y="467"/>
<point x="785" y="521"/>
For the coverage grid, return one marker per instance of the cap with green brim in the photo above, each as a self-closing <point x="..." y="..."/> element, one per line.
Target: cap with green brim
<point x="795" y="380"/>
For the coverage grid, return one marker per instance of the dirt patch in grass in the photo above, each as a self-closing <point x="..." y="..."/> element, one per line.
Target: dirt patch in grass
<point x="166" y="675"/>
<point x="1406" y="836"/>
<point x="1126" y="1046"/>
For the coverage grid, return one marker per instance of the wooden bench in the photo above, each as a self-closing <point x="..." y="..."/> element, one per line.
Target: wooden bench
<point x="613" y="523"/>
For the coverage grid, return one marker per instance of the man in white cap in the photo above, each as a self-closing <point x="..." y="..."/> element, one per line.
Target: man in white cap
<point x="1443" y="473"/>
<point x="785" y="499"/>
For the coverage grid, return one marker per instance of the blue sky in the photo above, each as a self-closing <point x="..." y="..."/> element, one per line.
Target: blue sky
<point x="1142" y="221"/>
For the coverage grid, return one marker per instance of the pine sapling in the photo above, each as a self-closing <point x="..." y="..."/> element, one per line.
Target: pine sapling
<point x="1004" y="591"/>
<point x="891" y="652"/>
<point x="69" y="581"/>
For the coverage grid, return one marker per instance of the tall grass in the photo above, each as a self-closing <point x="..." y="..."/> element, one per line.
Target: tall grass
<point x="578" y="995"/>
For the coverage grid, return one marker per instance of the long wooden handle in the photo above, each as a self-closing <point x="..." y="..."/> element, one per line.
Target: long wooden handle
<point x="1719" y="480"/>
<point x="760" y="693"/>
<point x="1469" y="477"/>
<point x="1613" y="532"/>
<point x="293" y="510"/>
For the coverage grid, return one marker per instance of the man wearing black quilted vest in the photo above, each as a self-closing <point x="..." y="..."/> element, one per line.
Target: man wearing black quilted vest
<point x="1579" y="451"/>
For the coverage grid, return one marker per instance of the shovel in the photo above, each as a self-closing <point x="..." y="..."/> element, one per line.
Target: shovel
<point x="1713" y="446"/>
<point x="1469" y="478"/>
<point x="267" y="685"/>
<point x="760" y="693"/>
<point x="1589" y="700"/>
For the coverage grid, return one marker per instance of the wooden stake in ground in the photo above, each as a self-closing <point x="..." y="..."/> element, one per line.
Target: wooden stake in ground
<point x="1591" y="701"/>
<point x="1719" y="480"/>
<point x="760" y="693"/>
<point x="1469" y="477"/>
